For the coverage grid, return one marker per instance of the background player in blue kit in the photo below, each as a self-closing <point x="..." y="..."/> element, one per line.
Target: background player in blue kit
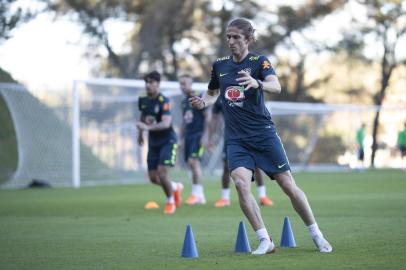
<point x="157" y="120"/>
<point x="251" y="138"/>
<point x="225" y="178"/>
<point x="194" y="135"/>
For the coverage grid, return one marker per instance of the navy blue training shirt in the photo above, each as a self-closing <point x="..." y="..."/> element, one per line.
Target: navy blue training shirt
<point x="153" y="109"/>
<point x="192" y="118"/>
<point x="246" y="116"/>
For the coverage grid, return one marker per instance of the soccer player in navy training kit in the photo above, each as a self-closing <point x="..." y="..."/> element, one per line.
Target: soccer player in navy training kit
<point x="225" y="178"/>
<point x="194" y="133"/>
<point x="251" y="138"/>
<point x="157" y="120"/>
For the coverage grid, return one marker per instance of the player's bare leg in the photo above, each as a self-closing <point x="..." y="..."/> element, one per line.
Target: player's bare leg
<point x="176" y="187"/>
<point x="197" y="196"/>
<point x="242" y="179"/>
<point x="167" y="187"/>
<point x="302" y="207"/>
<point x="261" y="189"/>
<point x="154" y="178"/>
<point x="225" y="185"/>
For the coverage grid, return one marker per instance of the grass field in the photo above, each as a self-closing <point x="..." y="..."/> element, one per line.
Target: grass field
<point x="362" y="214"/>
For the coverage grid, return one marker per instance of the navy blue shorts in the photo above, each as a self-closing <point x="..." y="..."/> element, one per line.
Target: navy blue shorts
<point x="360" y="154"/>
<point x="267" y="154"/>
<point x="164" y="154"/>
<point x="193" y="148"/>
<point x="402" y="149"/>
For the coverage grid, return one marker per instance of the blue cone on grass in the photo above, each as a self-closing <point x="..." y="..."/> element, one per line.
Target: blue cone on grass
<point x="242" y="244"/>
<point x="189" y="249"/>
<point x="287" y="239"/>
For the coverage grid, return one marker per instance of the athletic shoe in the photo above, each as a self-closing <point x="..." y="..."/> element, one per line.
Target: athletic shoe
<point x="222" y="203"/>
<point x="322" y="244"/>
<point x="193" y="199"/>
<point x="177" y="194"/>
<point x="265" y="201"/>
<point x="170" y="208"/>
<point x="266" y="246"/>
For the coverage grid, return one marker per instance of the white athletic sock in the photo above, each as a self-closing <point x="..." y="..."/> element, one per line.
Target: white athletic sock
<point x="195" y="190"/>
<point x="170" y="199"/>
<point x="174" y="186"/>
<point x="262" y="234"/>
<point x="314" y="230"/>
<point x="261" y="191"/>
<point x="225" y="194"/>
<point x="200" y="191"/>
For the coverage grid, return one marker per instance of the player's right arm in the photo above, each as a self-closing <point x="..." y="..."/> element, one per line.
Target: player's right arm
<point x="141" y="129"/>
<point x="211" y="95"/>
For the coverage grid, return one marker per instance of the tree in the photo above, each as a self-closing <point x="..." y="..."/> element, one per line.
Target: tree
<point x="93" y="16"/>
<point x="11" y="18"/>
<point x="290" y="31"/>
<point x="184" y="34"/>
<point x="385" y="22"/>
<point x="161" y="28"/>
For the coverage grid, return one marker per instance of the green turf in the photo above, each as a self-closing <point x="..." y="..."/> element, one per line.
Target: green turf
<point x="362" y="214"/>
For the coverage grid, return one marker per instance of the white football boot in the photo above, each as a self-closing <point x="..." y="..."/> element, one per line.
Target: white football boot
<point x="322" y="244"/>
<point x="266" y="246"/>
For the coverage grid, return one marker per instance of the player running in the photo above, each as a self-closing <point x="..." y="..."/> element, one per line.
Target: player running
<point x="251" y="138"/>
<point x="194" y="133"/>
<point x="157" y="120"/>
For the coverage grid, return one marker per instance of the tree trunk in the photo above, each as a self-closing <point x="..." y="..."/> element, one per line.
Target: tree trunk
<point x="378" y="100"/>
<point x="174" y="74"/>
<point x="299" y="83"/>
<point x="115" y="59"/>
<point x="374" y="133"/>
<point x="224" y="16"/>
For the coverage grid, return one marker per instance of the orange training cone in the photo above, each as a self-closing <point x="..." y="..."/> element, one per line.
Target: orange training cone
<point x="151" y="205"/>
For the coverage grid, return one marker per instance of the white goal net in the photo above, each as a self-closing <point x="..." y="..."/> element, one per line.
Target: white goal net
<point x="89" y="136"/>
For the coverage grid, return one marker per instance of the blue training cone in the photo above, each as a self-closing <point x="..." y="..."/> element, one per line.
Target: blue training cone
<point x="287" y="239"/>
<point x="189" y="249"/>
<point x="242" y="244"/>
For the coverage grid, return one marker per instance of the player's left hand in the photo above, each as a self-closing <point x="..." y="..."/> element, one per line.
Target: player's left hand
<point x="142" y="126"/>
<point x="196" y="102"/>
<point x="140" y="139"/>
<point x="246" y="80"/>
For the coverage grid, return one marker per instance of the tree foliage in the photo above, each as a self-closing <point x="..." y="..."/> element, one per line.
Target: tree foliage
<point x="186" y="35"/>
<point x="11" y="17"/>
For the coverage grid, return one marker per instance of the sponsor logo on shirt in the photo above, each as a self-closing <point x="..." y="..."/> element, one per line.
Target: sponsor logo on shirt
<point x="235" y="95"/>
